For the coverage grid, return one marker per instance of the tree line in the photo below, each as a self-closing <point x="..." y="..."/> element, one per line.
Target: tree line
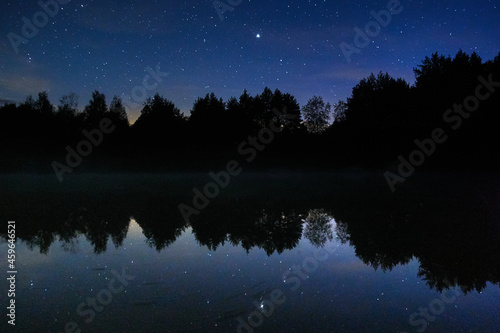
<point x="379" y="121"/>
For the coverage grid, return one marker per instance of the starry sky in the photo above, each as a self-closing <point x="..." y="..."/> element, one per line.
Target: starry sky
<point x="185" y="49"/>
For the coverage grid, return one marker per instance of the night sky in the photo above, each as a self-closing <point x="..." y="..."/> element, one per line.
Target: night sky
<point x="111" y="46"/>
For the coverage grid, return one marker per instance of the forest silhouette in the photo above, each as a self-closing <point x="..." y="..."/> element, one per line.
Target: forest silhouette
<point x="379" y="121"/>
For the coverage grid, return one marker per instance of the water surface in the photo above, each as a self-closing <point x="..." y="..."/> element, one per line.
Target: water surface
<point x="271" y="253"/>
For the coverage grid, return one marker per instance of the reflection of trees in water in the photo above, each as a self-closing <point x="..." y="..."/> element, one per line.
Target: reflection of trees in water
<point x="318" y="227"/>
<point x="450" y="234"/>
<point x="267" y="229"/>
<point x="66" y="226"/>
<point x="341" y="231"/>
<point x="275" y="231"/>
<point x="71" y="245"/>
<point x="41" y="239"/>
<point x="161" y="230"/>
<point x="99" y="228"/>
<point x="160" y="238"/>
<point x="468" y="260"/>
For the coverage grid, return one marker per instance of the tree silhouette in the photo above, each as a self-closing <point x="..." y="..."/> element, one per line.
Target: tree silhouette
<point x="377" y="118"/>
<point x="209" y="121"/>
<point x="316" y="115"/>
<point x="286" y="103"/>
<point x="117" y="113"/>
<point x="382" y="119"/>
<point x="263" y="109"/>
<point x="319" y="227"/>
<point x="43" y="106"/>
<point x="68" y="105"/>
<point x="339" y="111"/>
<point x="444" y="83"/>
<point x="118" y="141"/>
<point x="69" y="120"/>
<point x="160" y="124"/>
<point x="38" y="123"/>
<point x="96" y="110"/>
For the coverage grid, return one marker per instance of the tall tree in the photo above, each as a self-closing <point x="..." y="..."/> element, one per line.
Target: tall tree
<point x="160" y="123"/>
<point x="209" y="121"/>
<point x="293" y="115"/>
<point x="96" y="110"/>
<point x="208" y="110"/>
<point x="68" y="105"/>
<point x="263" y="110"/>
<point x="378" y="118"/>
<point x="316" y="115"/>
<point x="339" y="110"/>
<point x="240" y="118"/>
<point x="38" y="116"/>
<point x="117" y="113"/>
<point x="42" y="104"/>
<point x="69" y="120"/>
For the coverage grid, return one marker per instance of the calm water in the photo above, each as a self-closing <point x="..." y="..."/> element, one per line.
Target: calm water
<point x="270" y="253"/>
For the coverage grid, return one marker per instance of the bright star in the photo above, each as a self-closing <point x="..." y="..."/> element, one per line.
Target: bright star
<point x="258" y="35"/>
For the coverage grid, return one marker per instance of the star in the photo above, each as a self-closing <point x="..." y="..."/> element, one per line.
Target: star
<point x="132" y="37"/>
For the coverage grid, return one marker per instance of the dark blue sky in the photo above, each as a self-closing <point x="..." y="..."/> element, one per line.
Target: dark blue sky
<point x="290" y="45"/>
